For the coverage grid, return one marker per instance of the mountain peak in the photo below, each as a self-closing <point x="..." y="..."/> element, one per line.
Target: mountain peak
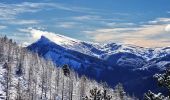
<point x="43" y="40"/>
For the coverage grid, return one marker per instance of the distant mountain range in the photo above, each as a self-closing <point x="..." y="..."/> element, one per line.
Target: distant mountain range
<point x="133" y="66"/>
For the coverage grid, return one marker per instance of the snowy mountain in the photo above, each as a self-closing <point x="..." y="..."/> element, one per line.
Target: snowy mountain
<point x="110" y="51"/>
<point x="26" y="76"/>
<point x="104" y="50"/>
<point x="111" y="62"/>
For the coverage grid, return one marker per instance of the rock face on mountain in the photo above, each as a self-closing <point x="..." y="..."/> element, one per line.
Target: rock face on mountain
<point x="131" y="65"/>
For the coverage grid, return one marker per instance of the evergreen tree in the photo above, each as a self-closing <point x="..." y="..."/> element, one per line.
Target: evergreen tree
<point x="66" y="70"/>
<point x="19" y="71"/>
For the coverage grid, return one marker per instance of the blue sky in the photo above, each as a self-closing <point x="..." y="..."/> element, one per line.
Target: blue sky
<point x="140" y="22"/>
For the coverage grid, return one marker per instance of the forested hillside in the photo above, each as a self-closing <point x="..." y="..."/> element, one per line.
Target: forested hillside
<point x="26" y="76"/>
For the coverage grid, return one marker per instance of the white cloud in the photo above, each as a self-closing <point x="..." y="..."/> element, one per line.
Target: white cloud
<point x="167" y="28"/>
<point x="36" y="34"/>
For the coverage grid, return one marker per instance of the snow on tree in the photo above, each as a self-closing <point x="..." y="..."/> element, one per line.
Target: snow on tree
<point x="152" y="96"/>
<point x="163" y="81"/>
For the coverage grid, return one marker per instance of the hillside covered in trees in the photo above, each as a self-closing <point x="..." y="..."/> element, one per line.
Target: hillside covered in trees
<point x="26" y="76"/>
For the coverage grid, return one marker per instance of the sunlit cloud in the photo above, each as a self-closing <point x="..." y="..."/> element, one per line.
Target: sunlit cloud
<point x="147" y="42"/>
<point x="141" y="36"/>
<point x="167" y="28"/>
<point x="36" y="34"/>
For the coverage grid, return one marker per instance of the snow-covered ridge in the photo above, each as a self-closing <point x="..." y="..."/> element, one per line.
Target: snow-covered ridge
<point x="104" y="50"/>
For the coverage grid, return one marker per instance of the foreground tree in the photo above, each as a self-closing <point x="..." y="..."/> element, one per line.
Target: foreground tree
<point x="151" y="96"/>
<point x="163" y="81"/>
<point x="119" y="91"/>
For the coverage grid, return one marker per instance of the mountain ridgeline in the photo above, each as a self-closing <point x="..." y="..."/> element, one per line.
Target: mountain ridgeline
<point x="26" y="76"/>
<point x="112" y="63"/>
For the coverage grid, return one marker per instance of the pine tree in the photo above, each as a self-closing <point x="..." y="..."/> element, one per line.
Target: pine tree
<point x="66" y="70"/>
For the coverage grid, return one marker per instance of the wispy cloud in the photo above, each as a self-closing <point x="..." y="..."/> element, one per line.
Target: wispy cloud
<point x="23" y="22"/>
<point x="3" y="27"/>
<point x="87" y="17"/>
<point x="9" y="11"/>
<point x="93" y="17"/>
<point x="160" y="21"/>
<point x="114" y="24"/>
<point x="67" y="24"/>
